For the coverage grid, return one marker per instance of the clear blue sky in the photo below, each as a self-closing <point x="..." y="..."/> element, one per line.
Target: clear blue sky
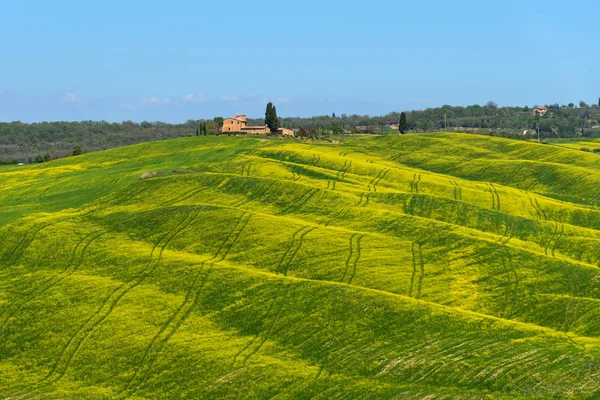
<point x="177" y="60"/>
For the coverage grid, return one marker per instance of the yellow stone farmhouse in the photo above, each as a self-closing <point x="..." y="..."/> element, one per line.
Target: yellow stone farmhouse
<point x="239" y="124"/>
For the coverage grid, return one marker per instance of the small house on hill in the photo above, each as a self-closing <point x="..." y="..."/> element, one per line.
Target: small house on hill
<point x="238" y="124"/>
<point x="540" y="111"/>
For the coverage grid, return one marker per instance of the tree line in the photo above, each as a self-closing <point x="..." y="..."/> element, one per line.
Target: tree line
<point x="559" y="121"/>
<point x="39" y="142"/>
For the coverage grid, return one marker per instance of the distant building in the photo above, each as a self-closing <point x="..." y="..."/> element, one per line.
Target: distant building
<point x="540" y="111"/>
<point x="285" y="132"/>
<point x="239" y="124"/>
<point x="367" y="128"/>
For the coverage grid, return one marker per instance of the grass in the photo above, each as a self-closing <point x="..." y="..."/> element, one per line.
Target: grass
<point x="423" y="266"/>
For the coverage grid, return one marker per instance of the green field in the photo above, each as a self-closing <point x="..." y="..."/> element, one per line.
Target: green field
<point x="438" y="266"/>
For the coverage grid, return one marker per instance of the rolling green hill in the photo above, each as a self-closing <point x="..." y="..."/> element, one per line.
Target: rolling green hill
<point x="438" y="266"/>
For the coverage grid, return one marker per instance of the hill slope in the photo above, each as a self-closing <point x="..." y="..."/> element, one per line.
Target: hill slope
<point x="423" y="266"/>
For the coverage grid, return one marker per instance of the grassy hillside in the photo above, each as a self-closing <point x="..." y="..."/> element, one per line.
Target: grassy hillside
<point x="424" y="266"/>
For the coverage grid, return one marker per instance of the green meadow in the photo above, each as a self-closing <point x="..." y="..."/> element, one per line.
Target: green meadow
<point x="433" y="266"/>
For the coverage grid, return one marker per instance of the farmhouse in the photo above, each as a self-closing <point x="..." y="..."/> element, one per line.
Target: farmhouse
<point x="540" y="111"/>
<point x="239" y="124"/>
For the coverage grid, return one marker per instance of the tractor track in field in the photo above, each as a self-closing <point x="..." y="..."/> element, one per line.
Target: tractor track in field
<point x="422" y="272"/>
<point x="375" y="181"/>
<point x="41" y="196"/>
<point x="414" y="185"/>
<point x="293" y="249"/>
<point x="510" y="178"/>
<point x="246" y="168"/>
<point x="235" y="235"/>
<point x="72" y="267"/>
<point x="257" y="335"/>
<point x="339" y="176"/>
<point x="480" y="173"/>
<point x="409" y="208"/>
<point x="510" y="283"/>
<point x="149" y="184"/>
<point x="295" y="176"/>
<point x="334" y="217"/>
<point x="353" y="257"/>
<point x="229" y="236"/>
<point x="255" y="196"/>
<point x="495" y="196"/>
<point x="185" y="196"/>
<point x="507" y="235"/>
<point x="348" y="260"/>
<point x="542" y="212"/>
<point x="360" y="200"/>
<point x="457" y="190"/>
<point x="342" y="172"/>
<point x="174" y="322"/>
<point x="315" y="160"/>
<point x="391" y="226"/>
<point x="168" y="330"/>
<point x="560" y="235"/>
<point x="395" y="157"/>
<point x="77" y="341"/>
<point x="296" y="250"/>
<point x="265" y="336"/>
<point x="532" y="185"/>
<point x="414" y="271"/>
<point x="495" y="193"/>
<point x="418" y="263"/>
<point x="365" y="198"/>
<point x="537" y="211"/>
<point x="28" y="238"/>
<point x="549" y="242"/>
<point x="299" y="202"/>
<point x="557" y="234"/>
<point x="312" y="305"/>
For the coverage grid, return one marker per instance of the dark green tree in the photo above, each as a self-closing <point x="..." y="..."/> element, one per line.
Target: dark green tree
<point x="198" y="130"/>
<point x="204" y="128"/>
<point x="271" y="119"/>
<point x="39" y="158"/>
<point x="77" y="151"/>
<point x="403" y="126"/>
<point x="47" y="157"/>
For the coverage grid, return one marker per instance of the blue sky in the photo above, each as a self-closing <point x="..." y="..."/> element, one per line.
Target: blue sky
<point x="176" y="60"/>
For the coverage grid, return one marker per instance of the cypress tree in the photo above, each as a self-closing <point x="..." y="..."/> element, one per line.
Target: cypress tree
<point x="204" y="128"/>
<point x="271" y="119"/>
<point x="198" y="130"/>
<point x="268" y="114"/>
<point x="403" y="126"/>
